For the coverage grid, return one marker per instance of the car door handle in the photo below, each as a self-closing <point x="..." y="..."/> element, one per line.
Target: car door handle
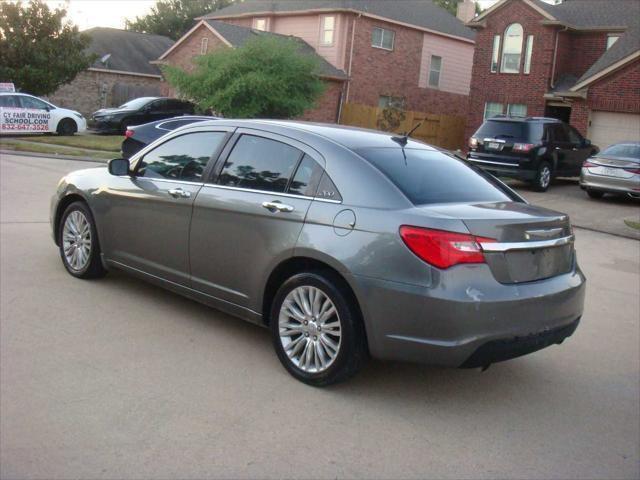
<point x="179" y="193"/>
<point x="277" y="206"/>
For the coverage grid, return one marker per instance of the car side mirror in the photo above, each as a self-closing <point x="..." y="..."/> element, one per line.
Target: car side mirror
<point x="118" y="167"/>
<point x="586" y="142"/>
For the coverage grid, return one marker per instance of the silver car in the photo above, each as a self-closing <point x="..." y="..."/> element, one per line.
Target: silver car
<point x="614" y="170"/>
<point x="344" y="242"/>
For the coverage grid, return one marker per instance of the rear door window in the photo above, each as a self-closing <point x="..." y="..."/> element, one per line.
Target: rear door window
<point x="428" y="177"/>
<point x="305" y="181"/>
<point x="181" y="158"/>
<point x="558" y="133"/>
<point x="259" y="163"/>
<point x="9" y="101"/>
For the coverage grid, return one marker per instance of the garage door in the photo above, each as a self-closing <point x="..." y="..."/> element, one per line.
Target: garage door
<point x="609" y="127"/>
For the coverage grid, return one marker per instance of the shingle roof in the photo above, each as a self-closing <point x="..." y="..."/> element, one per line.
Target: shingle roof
<point x="421" y="13"/>
<point x="130" y="51"/>
<point x="238" y="36"/>
<point x="594" y="13"/>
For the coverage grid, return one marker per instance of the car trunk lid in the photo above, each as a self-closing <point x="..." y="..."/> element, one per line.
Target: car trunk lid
<point x="531" y="243"/>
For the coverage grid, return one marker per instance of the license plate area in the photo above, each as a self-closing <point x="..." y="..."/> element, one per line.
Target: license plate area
<point x="538" y="264"/>
<point x="494" y="146"/>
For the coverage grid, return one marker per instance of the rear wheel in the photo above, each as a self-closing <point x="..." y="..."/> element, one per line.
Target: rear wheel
<point x="317" y="331"/>
<point x="78" y="242"/>
<point x="66" y="127"/>
<point x="543" y="177"/>
<point x="594" y="193"/>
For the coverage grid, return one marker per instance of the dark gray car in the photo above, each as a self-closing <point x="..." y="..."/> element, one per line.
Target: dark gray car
<point x="345" y="242"/>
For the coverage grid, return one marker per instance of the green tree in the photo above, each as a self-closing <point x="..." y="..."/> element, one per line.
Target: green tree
<point x="173" y="18"/>
<point x="39" y="50"/>
<point x="452" y="6"/>
<point x="267" y="77"/>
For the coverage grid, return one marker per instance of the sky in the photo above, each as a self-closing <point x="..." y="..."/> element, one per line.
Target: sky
<point x="113" y="13"/>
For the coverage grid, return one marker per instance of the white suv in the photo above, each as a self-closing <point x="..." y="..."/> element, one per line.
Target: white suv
<point x="22" y="113"/>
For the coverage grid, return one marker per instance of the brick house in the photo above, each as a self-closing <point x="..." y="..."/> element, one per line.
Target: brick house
<point x="578" y="61"/>
<point x="121" y="71"/>
<point x="375" y="52"/>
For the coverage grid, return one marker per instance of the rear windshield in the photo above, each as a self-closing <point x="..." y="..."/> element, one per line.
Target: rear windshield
<point x="628" y="150"/>
<point x="427" y="176"/>
<point x="507" y="130"/>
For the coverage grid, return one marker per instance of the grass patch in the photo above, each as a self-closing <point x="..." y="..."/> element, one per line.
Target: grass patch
<point x="107" y="143"/>
<point x="633" y="224"/>
<point x="56" y="150"/>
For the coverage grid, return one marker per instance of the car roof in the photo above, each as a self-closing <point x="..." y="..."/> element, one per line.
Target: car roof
<point x="350" y="137"/>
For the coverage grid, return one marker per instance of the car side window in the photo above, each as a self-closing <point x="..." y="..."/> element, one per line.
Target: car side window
<point x="574" y="136"/>
<point x="157" y="106"/>
<point x="34" y="103"/>
<point x="259" y="163"/>
<point x="181" y="158"/>
<point x="308" y="175"/>
<point x="9" y="101"/>
<point x="558" y="133"/>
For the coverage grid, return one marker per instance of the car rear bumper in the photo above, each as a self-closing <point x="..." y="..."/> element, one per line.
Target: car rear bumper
<point x="608" y="184"/>
<point x="463" y="313"/>
<point x="502" y="168"/>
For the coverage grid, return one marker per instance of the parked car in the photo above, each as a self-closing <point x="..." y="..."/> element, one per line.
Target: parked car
<point x="139" y="136"/>
<point x="614" y="170"/>
<point x="344" y="242"/>
<point x="138" y="111"/>
<point x="23" y="113"/>
<point x="534" y="149"/>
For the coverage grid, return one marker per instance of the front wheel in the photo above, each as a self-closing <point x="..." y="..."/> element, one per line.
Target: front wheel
<point x="67" y="127"/>
<point x="78" y="242"/>
<point x="316" y="329"/>
<point x="543" y="177"/>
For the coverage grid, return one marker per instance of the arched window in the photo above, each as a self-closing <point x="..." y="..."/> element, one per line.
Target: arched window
<point x="512" y="48"/>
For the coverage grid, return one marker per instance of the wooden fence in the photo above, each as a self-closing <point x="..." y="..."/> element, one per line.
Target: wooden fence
<point x="446" y="131"/>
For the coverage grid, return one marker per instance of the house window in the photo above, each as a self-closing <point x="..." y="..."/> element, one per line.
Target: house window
<point x="381" y="38"/>
<point x="495" y="56"/>
<point x="260" y="24"/>
<point x="434" y="71"/>
<point x="512" y="49"/>
<point x="328" y="30"/>
<point x="611" y="40"/>
<point x="204" y="45"/>
<point x="527" y="55"/>
<point x="517" y="110"/>
<point x="491" y="109"/>
<point x="387" y="101"/>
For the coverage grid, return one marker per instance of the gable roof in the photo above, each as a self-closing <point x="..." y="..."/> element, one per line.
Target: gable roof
<point x="130" y="51"/>
<point x="237" y="36"/>
<point x="420" y="14"/>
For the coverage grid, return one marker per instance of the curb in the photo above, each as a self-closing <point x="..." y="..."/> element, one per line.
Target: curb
<point x="52" y="156"/>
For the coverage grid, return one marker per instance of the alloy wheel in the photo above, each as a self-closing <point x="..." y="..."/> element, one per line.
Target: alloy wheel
<point x="76" y="240"/>
<point x="310" y="329"/>
<point x="545" y="176"/>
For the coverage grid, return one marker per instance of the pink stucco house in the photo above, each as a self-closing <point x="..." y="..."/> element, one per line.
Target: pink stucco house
<point x="374" y="52"/>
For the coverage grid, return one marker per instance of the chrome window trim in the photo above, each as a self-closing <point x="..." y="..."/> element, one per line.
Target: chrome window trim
<point x="165" y="180"/>
<point x="267" y="192"/>
<point x="505" y="247"/>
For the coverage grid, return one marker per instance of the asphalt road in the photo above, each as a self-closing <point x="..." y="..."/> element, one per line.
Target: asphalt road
<point x="119" y="379"/>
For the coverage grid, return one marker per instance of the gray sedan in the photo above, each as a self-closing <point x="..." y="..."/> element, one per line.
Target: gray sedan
<point x="614" y="170"/>
<point x="344" y="242"/>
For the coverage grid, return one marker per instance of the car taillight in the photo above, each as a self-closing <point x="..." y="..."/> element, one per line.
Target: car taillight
<point x="634" y="170"/>
<point x="523" y="147"/>
<point x="443" y="249"/>
<point x="473" y="142"/>
<point x="128" y="133"/>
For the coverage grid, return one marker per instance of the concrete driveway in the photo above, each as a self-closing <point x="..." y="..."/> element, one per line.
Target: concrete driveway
<point x="118" y="379"/>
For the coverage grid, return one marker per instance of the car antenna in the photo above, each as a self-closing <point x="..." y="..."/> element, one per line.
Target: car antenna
<point x="403" y="139"/>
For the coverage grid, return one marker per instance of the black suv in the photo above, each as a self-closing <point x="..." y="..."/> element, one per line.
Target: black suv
<point x="534" y="149"/>
<point x="138" y="111"/>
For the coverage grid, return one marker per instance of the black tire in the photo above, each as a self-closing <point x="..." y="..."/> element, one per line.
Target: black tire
<point x="352" y="351"/>
<point x="67" y="127"/>
<point x="93" y="268"/>
<point x="596" y="194"/>
<point x="543" y="177"/>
